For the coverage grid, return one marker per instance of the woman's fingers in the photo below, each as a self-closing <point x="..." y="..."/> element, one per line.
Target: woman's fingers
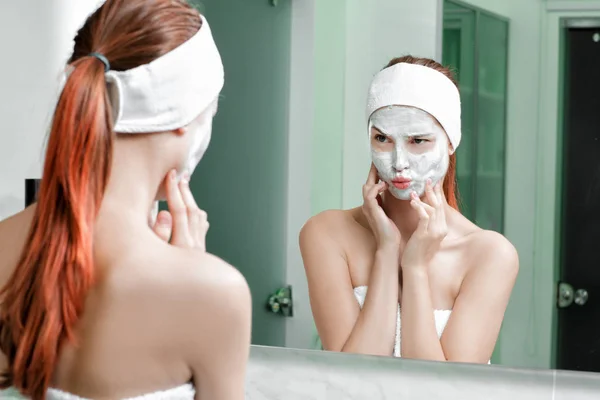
<point x="372" y="177"/>
<point x="379" y="195"/>
<point x="163" y="225"/>
<point x="181" y="230"/>
<point x="371" y="181"/>
<point x="438" y="192"/>
<point x="419" y="207"/>
<point x="189" y="223"/>
<point x="196" y="216"/>
<point x="430" y="196"/>
<point x="428" y="209"/>
<point x="376" y="189"/>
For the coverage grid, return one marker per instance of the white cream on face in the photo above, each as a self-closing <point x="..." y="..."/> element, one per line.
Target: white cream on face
<point x="200" y="131"/>
<point x="411" y="146"/>
<point x="153" y="214"/>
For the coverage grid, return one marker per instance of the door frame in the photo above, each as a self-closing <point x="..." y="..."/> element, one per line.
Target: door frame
<point x="546" y="254"/>
<point x="300" y="330"/>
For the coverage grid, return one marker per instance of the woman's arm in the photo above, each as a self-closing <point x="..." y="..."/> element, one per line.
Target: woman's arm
<point x="216" y="329"/>
<point x="473" y="328"/>
<point x="478" y="311"/>
<point x="419" y="335"/>
<point x="341" y="324"/>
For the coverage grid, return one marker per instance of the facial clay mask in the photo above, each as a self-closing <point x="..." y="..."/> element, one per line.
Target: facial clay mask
<point x="153" y="214"/>
<point x="200" y="131"/>
<point x="407" y="148"/>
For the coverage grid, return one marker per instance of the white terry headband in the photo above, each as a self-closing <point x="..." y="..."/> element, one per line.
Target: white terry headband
<point x="405" y="84"/>
<point x="169" y="92"/>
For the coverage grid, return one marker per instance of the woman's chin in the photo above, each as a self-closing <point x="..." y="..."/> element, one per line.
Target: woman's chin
<point x="400" y="194"/>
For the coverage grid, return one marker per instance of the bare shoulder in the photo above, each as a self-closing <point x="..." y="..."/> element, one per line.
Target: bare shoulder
<point x="18" y="224"/>
<point x="218" y="302"/>
<point x="490" y="250"/>
<point x="329" y="224"/>
<point x="201" y="270"/>
<point x="216" y="312"/>
<point x="189" y="303"/>
<point x="327" y="236"/>
<point x="13" y="234"/>
<point x="185" y="287"/>
<point x="202" y="279"/>
<point x="327" y="221"/>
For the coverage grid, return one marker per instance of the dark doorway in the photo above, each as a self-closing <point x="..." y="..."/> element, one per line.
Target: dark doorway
<point x="32" y="187"/>
<point x="578" y="341"/>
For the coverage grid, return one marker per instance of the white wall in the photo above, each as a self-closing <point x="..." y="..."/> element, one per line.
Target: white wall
<point x="300" y="330"/>
<point x="376" y="32"/>
<point x="36" y="40"/>
<point x="28" y="65"/>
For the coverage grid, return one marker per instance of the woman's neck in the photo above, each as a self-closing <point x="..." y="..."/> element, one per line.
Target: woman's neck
<point x="403" y="215"/>
<point x="133" y="184"/>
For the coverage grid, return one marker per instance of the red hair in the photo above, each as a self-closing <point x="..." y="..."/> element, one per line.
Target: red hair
<point x="450" y="186"/>
<point x="44" y="298"/>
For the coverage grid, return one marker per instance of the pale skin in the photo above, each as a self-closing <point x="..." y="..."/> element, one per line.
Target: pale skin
<point x="422" y="254"/>
<point x="156" y="319"/>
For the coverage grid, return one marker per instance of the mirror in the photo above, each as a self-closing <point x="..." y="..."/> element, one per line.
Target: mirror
<point x="290" y="126"/>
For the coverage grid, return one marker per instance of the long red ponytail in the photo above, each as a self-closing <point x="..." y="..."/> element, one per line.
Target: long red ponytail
<point x="44" y="298"/>
<point x="450" y="186"/>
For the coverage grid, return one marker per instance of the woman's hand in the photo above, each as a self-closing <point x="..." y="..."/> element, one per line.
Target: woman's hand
<point x="386" y="232"/>
<point x="431" y="230"/>
<point x="185" y="224"/>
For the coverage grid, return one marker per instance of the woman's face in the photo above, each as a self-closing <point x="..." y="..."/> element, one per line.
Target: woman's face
<point x="408" y="147"/>
<point x="189" y="145"/>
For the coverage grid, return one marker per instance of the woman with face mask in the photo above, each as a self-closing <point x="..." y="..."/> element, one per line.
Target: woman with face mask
<point x="407" y="274"/>
<point x="97" y="302"/>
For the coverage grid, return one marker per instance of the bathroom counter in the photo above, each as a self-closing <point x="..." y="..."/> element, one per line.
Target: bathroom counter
<point x="290" y="374"/>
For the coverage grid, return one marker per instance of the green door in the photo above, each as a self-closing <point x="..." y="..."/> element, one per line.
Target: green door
<point x="241" y="182"/>
<point x="475" y="45"/>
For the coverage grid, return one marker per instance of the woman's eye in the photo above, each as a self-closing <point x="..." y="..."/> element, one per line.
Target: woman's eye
<point x="380" y="138"/>
<point x="419" y="140"/>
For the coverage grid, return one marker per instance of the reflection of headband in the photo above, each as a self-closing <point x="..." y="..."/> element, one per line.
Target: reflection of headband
<point x="418" y="86"/>
<point x="169" y="92"/>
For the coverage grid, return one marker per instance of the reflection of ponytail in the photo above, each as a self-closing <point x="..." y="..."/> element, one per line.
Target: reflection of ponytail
<point x="450" y="187"/>
<point x="43" y="300"/>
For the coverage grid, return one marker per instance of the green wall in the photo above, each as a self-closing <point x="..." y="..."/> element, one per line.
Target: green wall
<point x="527" y="332"/>
<point x="242" y="180"/>
<point x="328" y="135"/>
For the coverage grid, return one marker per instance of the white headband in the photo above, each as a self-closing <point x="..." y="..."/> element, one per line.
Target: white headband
<point x="169" y="92"/>
<point x="418" y="86"/>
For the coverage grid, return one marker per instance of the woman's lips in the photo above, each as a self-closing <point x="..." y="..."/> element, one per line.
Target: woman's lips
<point x="401" y="183"/>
